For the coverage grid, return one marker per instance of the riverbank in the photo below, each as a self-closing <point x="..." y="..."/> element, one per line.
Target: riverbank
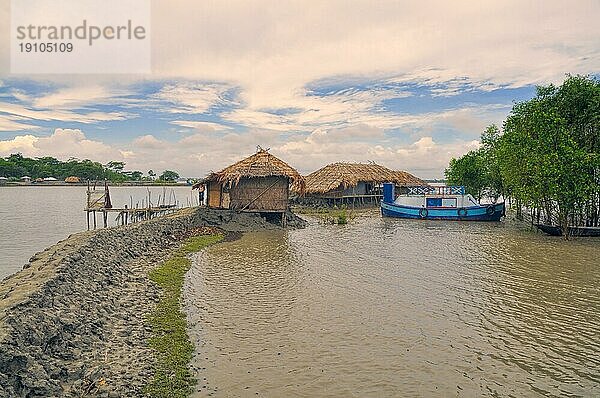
<point x="75" y="320"/>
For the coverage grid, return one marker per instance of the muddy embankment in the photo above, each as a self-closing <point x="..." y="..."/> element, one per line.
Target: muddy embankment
<point x="73" y="321"/>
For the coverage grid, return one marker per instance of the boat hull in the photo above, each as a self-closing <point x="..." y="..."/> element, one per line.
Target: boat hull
<point x="478" y="213"/>
<point x="573" y="231"/>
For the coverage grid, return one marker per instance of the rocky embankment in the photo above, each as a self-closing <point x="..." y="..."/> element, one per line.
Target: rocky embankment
<point x="73" y="321"/>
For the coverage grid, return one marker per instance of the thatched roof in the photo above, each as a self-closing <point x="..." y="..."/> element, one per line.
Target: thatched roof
<point x="72" y="179"/>
<point x="261" y="164"/>
<point x="347" y="175"/>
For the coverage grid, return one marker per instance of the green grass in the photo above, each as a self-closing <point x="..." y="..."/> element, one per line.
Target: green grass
<point x="330" y="215"/>
<point x="173" y="347"/>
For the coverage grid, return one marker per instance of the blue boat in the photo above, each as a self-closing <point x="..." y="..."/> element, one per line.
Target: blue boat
<point x="437" y="203"/>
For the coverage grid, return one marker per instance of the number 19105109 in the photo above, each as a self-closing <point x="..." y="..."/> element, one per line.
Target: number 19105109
<point x="46" y="47"/>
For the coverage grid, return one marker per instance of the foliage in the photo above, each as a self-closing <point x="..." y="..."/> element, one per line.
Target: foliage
<point x="548" y="157"/>
<point x="174" y="349"/>
<point x="479" y="171"/>
<point x="16" y="166"/>
<point x="169" y="175"/>
<point x="468" y="171"/>
<point x="335" y="215"/>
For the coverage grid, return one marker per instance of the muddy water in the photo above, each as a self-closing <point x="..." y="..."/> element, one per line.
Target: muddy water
<point x="383" y="308"/>
<point x="35" y="217"/>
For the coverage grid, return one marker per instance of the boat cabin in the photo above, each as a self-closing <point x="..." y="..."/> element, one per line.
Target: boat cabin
<point x="453" y="197"/>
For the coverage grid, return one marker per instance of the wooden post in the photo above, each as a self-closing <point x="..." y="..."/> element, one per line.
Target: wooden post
<point x="87" y="207"/>
<point x="94" y="213"/>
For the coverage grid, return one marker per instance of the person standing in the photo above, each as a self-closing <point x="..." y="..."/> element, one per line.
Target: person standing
<point x="201" y="195"/>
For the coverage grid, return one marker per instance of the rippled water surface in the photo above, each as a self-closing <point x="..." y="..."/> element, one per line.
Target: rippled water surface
<point x="384" y="307"/>
<point x="35" y="217"/>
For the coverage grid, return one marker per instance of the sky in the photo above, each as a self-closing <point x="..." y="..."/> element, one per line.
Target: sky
<point x="407" y="84"/>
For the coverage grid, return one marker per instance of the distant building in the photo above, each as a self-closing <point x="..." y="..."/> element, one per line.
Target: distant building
<point x="260" y="183"/>
<point x="3" y="180"/>
<point x="72" y="180"/>
<point x="26" y="179"/>
<point x="50" y="179"/>
<point x="353" y="183"/>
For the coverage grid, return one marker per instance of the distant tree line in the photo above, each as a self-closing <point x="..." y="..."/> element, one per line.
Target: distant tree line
<point x="16" y="166"/>
<point x="546" y="159"/>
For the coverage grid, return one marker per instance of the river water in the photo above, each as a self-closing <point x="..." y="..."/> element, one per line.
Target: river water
<point x="35" y="217"/>
<point x="387" y="308"/>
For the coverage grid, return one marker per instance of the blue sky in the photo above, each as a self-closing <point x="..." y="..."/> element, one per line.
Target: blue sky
<point x="403" y="84"/>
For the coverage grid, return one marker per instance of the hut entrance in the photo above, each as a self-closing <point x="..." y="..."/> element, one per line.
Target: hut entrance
<point x="213" y="198"/>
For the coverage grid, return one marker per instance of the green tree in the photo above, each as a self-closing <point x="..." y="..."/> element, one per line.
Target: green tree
<point x="468" y="171"/>
<point x="169" y="175"/>
<point x="17" y="166"/>
<point x="548" y="156"/>
<point x="117" y="167"/>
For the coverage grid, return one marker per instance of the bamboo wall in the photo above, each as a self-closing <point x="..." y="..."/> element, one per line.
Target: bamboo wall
<point x="272" y="193"/>
<point x="214" y="194"/>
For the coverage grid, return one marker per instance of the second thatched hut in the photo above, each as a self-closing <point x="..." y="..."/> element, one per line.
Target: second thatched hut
<point x="353" y="183"/>
<point x="260" y="183"/>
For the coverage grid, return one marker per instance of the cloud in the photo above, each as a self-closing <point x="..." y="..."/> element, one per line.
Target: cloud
<point x="13" y="123"/>
<point x="79" y="97"/>
<point x="201" y="126"/>
<point x="12" y="116"/>
<point x="274" y="53"/>
<point x="350" y="106"/>
<point x="313" y="83"/>
<point x="148" y="141"/>
<point x="425" y="157"/>
<point x="62" y="144"/>
<point x="187" y="97"/>
<point x="19" y="144"/>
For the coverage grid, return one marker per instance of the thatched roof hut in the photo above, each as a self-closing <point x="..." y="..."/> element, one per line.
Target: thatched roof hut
<point x="260" y="182"/>
<point x="348" y="179"/>
<point x="72" y="180"/>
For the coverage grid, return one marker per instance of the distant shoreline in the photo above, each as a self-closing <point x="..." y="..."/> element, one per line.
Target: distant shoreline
<point x="99" y="184"/>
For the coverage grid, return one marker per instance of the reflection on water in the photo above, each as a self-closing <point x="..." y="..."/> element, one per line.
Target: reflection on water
<point x="35" y="217"/>
<point x="387" y="307"/>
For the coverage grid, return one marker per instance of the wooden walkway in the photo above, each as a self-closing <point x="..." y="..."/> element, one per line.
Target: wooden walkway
<point x="99" y="201"/>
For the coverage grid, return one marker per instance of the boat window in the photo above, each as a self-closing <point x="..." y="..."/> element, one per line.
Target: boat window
<point x="434" y="202"/>
<point x="449" y="202"/>
<point x="441" y="202"/>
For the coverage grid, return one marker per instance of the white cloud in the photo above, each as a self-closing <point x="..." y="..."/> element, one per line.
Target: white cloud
<point x="79" y="96"/>
<point x="148" y="141"/>
<point x="201" y="126"/>
<point x="62" y="144"/>
<point x="425" y="157"/>
<point x="269" y="53"/>
<point x="274" y="52"/>
<point x="22" y="143"/>
<point x="14" y="123"/>
<point x="20" y="112"/>
<point x="188" y="97"/>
